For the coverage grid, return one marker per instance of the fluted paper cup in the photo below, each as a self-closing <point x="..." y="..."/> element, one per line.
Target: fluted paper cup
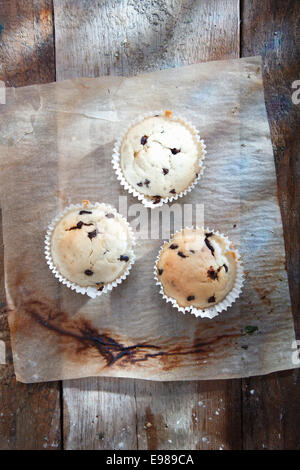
<point x="146" y="200"/>
<point x="227" y="302"/>
<point x="90" y="291"/>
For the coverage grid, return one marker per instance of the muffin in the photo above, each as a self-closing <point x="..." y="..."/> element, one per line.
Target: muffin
<point x="91" y="246"/>
<point x="197" y="269"/>
<point x="160" y="157"/>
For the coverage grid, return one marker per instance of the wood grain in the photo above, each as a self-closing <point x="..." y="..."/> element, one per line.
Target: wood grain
<point x="126" y="38"/>
<point x="99" y="414"/>
<point x="26" y="42"/>
<point x="29" y="414"/>
<point x="189" y="415"/>
<point x="271" y="409"/>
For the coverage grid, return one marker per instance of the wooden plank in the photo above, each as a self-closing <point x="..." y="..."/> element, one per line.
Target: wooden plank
<point x="271" y="411"/>
<point x="29" y="414"/>
<point x="99" y="414"/>
<point x="125" y="38"/>
<point x="26" y="40"/>
<point x="189" y="415"/>
<point x="271" y="408"/>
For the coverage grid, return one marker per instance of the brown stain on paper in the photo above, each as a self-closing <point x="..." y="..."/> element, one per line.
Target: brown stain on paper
<point x="81" y="331"/>
<point x="80" y="340"/>
<point x="264" y="295"/>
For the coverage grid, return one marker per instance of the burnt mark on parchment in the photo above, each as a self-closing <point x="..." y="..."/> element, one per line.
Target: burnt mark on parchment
<point x="264" y="295"/>
<point x="89" y="340"/>
<point x="171" y="357"/>
<point x="84" y="333"/>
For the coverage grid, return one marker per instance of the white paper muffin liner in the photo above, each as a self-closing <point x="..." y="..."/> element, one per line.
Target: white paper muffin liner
<point x="90" y="291"/>
<point x="141" y="197"/>
<point x="215" y="310"/>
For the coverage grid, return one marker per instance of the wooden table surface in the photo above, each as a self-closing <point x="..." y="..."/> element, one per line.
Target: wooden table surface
<point x="46" y="40"/>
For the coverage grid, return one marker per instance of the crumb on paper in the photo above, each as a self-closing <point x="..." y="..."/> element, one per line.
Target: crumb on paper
<point x="250" y="329"/>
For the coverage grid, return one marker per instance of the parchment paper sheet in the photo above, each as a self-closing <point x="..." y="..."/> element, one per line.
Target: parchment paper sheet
<point x="56" y="147"/>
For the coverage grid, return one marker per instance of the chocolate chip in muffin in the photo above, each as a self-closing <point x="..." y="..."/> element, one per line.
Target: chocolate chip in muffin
<point x="100" y="285"/>
<point x="77" y="226"/>
<point x="156" y="199"/>
<point x="92" y="234"/>
<point x="182" y="254"/>
<point x="165" y="171"/>
<point x="190" y="297"/>
<point x="173" y="246"/>
<point x="211" y="299"/>
<point x="212" y="274"/>
<point x="140" y="184"/>
<point x="85" y="212"/>
<point x="88" y="272"/>
<point x="209" y="245"/>
<point x="124" y="258"/>
<point x="173" y="191"/>
<point x="144" y="139"/>
<point x="160" y="271"/>
<point x="174" y="151"/>
<point x="226" y="267"/>
<point x="146" y="183"/>
<point x="109" y="215"/>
